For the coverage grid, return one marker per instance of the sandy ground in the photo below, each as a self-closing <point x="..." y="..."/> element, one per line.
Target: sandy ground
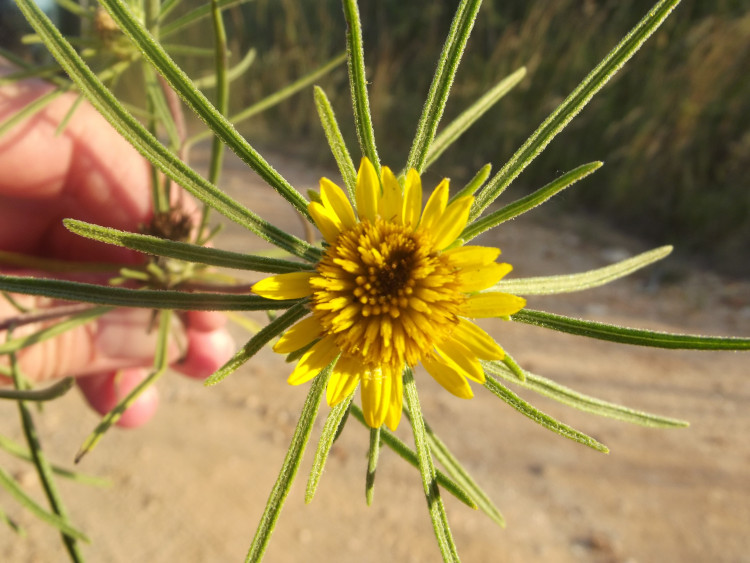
<point x="192" y="484"/>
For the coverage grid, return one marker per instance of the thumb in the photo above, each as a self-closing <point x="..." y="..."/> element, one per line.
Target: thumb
<point x="122" y="338"/>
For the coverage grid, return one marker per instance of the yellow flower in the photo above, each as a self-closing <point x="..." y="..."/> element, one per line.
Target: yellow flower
<point x="394" y="288"/>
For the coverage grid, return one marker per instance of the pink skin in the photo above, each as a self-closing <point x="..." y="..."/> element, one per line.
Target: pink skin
<point x="89" y="172"/>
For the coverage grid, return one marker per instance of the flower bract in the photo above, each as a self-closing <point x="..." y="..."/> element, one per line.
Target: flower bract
<point x="395" y="288"/>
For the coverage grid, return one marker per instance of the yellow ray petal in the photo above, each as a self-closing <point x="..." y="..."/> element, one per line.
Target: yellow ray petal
<point x="397" y="396"/>
<point x="492" y="304"/>
<point x="481" y="344"/>
<point x="448" y="377"/>
<point x="343" y="381"/>
<point x="285" y="286"/>
<point x="435" y="206"/>
<point x="452" y="222"/>
<point x="412" y="204"/>
<point x="326" y="220"/>
<point x="466" y="362"/>
<point x="367" y="191"/>
<point x="471" y="256"/>
<point x="482" y="277"/>
<point x="299" y="335"/>
<point x="389" y="206"/>
<point x="376" y="395"/>
<point x="314" y="360"/>
<point x="335" y="199"/>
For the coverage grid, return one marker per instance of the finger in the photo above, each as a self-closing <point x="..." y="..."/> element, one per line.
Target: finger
<point x="205" y="321"/>
<point x="104" y="391"/>
<point x="207" y="352"/>
<point x="88" y="172"/>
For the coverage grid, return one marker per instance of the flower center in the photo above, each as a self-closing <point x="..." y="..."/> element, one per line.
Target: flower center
<point x="386" y="294"/>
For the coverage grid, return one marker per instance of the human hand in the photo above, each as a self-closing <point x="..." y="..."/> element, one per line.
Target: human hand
<point x="89" y="172"/>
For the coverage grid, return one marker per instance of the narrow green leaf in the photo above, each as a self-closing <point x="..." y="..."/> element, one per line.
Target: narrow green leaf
<point x="372" y="464"/>
<point x="450" y="57"/>
<point x="184" y="251"/>
<point x="194" y="16"/>
<point x="23" y="453"/>
<point x="30" y="109"/>
<point x="277" y="97"/>
<point x="336" y="141"/>
<point x="475" y="183"/>
<point x="253" y="346"/>
<point x="358" y="83"/>
<point x="232" y="73"/>
<point x="54" y="391"/>
<point x="529" y="202"/>
<point x="410" y="456"/>
<point x="573" y="104"/>
<point x="149" y="146"/>
<point x="52" y="331"/>
<point x="549" y="285"/>
<point x="289" y="468"/>
<point x="499" y="390"/>
<point x="458" y="126"/>
<point x="583" y="402"/>
<point x="13" y="488"/>
<point x="13" y="525"/>
<point x="427" y="470"/>
<point x="624" y="335"/>
<point x="143" y="298"/>
<point x="160" y="367"/>
<point x="331" y="429"/>
<point x="454" y="468"/>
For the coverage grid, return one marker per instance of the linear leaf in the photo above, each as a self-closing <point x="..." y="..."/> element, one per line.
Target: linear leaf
<point x="182" y="250"/>
<point x="410" y="456"/>
<point x="23" y="453"/>
<point x="458" y="126"/>
<point x="548" y="285"/>
<point x="450" y="57"/>
<point x="358" y="83"/>
<point x="54" y="391"/>
<point x="260" y="339"/>
<point x="499" y="390"/>
<point x="427" y="471"/>
<point x="529" y="202"/>
<point x="14" y="489"/>
<point x="194" y="16"/>
<point x="462" y="477"/>
<point x="336" y="141"/>
<point x="144" y="298"/>
<point x="573" y="104"/>
<point x="580" y="401"/>
<point x="289" y="468"/>
<point x="327" y="437"/>
<point x="624" y="335"/>
<point x="277" y="97"/>
<point x="51" y="331"/>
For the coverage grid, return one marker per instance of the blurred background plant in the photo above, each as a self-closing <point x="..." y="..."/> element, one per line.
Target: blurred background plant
<point x="681" y="104"/>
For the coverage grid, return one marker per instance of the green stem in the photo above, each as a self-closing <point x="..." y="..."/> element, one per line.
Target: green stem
<point x="43" y="467"/>
<point x="372" y="464"/>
